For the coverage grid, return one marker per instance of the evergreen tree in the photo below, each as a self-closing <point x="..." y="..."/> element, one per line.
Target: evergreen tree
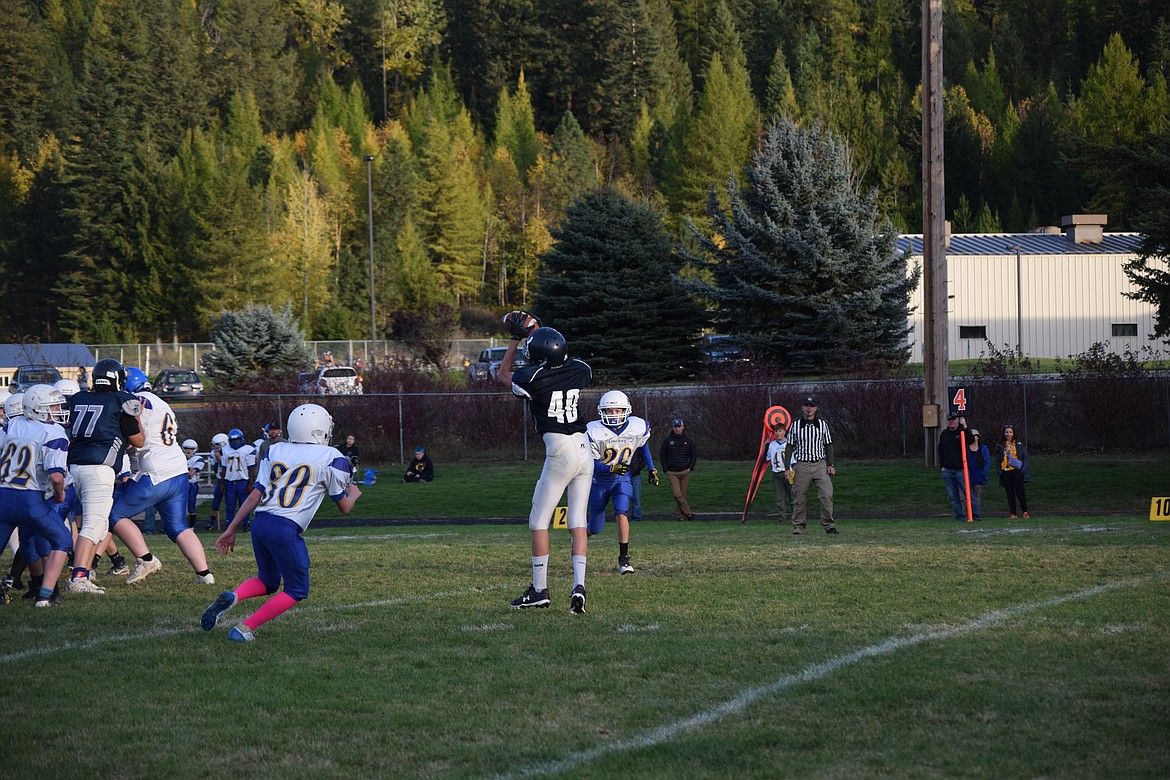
<point x="571" y="170"/>
<point x="629" y="67"/>
<point x="718" y="140"/>
<point x="453" y="208"/>
<point x="781" y="96"/>
<point x="677" y="97"/>
<point x="516" y="128"/>
<point x="250" y="54"/>
<point x="104" y="260"/>
<point x="24" y="72"/>
<point x="253" y="342"/>
<point x="805" y="270"/>
<point x="608" y="284"/>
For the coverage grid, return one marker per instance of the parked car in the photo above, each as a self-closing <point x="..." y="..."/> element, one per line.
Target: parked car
<point x="722" y="349"/>
<point x="331" y="380"/>
<point x="484" y="369"/>
<point x="36" y="374"/>
<point x="178" y="384"/>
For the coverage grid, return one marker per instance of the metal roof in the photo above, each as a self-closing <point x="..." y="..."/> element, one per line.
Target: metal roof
<point x="60" y="355"/>
<point x="1029" y="243"/>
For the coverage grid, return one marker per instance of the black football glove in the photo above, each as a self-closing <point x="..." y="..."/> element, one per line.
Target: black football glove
<point x="619" y="468"/>
<point x="653" y="477"/>
<point x="520" y="323"/>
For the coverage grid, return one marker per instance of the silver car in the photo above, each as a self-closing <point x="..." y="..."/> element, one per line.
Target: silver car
<point x="331" y="380"/>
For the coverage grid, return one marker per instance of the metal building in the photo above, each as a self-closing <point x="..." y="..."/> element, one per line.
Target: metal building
<point x="1050" y="294"/>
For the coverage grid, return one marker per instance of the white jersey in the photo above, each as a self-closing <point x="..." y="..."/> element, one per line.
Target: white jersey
<point x="196" y="462"/>
<point x="296" y="478"/>
<point x="160" y="457"/>
<point x="235" y="463"/>
<point x="610" y="446"/>
<point x="778" y="455"/>
<point x="29" y="452"/>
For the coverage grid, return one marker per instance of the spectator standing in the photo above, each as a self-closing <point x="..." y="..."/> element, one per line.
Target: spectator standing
<point x="950" y="463"/>
<point x="272" y="435"/>
<point x="551" y="383"/>
<point x="978" y="469"/>
<point x="812" y="456"/>
<point x="421" y="467"/>
<point x="350" y="451"/>
<point x="782" y="474"/>
<point x="678" y="455"/>
<point x="1012" y="456"/>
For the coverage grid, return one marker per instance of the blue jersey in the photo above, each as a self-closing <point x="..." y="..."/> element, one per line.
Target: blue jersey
<point x="100" y="424"/>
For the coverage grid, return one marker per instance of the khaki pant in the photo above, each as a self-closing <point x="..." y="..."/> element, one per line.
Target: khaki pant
<point x="678" y="487"/>
<point x="806" y="475"/>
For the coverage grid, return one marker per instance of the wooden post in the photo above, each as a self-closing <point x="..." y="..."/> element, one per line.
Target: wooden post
<point x="934" y="257"/>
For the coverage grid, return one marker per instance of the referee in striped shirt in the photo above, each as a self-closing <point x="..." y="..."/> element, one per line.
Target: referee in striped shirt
<point x="812" y="459"/>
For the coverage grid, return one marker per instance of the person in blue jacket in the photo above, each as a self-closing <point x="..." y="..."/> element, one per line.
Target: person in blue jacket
<point x="978" y="469"/>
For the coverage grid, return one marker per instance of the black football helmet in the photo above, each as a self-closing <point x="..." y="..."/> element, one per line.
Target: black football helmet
<point x="545" y="347"/>
<point x="108" y="376"/>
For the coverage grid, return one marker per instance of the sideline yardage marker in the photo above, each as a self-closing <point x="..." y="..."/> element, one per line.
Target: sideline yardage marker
<point x="560" y="517"/>
<point x="1159" y="509"/>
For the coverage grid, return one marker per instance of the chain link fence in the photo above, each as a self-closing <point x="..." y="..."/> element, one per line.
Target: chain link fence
<point x="868" y="419"/>
<point x="152" y="358"/>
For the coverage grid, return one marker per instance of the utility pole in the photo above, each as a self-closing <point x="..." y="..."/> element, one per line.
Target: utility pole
<point x="934" y="254"/>
<point x="369" y="160"/>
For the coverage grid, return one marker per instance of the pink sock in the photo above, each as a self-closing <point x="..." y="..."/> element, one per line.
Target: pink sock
<point x="250" y="589"/>
<point x="274" y="607"/>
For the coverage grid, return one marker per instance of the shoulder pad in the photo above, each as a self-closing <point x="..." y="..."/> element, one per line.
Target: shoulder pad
<point x="132" y="407"/>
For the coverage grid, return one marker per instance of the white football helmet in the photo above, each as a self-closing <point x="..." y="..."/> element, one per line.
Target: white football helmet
<point x="614" y="409"/>
<point x="45" y="403"/>
<point x="310" y="424"/>
<point x="4" y="395"/>
<point x="67" y="387"/>
<point x="219" y="441"/>
<point x="190" y="444"/>
<point x="14" y="406"/>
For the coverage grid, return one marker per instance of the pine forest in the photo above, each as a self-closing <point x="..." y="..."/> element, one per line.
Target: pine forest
<point x="165" y="161"/>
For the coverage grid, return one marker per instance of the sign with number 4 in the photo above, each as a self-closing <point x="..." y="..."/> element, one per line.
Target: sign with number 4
<point x="960" y="402"/>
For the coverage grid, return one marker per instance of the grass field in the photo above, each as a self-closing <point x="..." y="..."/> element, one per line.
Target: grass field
<point x="926" y="649"/>
<point x="908" y="646"/>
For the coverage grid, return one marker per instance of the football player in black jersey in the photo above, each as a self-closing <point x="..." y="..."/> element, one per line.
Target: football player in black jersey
<point x="552" y="383"/>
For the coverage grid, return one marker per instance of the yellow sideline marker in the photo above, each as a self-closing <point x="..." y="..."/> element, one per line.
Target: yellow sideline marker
<point x="1159" y="509"/>
<point x="561" y="516"/>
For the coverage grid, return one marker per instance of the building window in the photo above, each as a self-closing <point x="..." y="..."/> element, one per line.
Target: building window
<point x="976" y="332"/>
<point x="1124" y="329"/>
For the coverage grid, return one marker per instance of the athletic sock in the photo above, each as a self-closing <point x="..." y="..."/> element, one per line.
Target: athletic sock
<point x="79" y="574"/>
<point x="148" y="557"/>
<point x="44" y="594"/>
<point x="540" y="572"/>
<point x="623" y="549"/>
<point x="579" y="570"/>
<point x="251" y="588"/>
<point x="274" y="607"/>
<point x="203" y="573"/>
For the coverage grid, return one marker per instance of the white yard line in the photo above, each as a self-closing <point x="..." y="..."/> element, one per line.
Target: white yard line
<point x="152" y="633"/>
<point x="817" y="671"/>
